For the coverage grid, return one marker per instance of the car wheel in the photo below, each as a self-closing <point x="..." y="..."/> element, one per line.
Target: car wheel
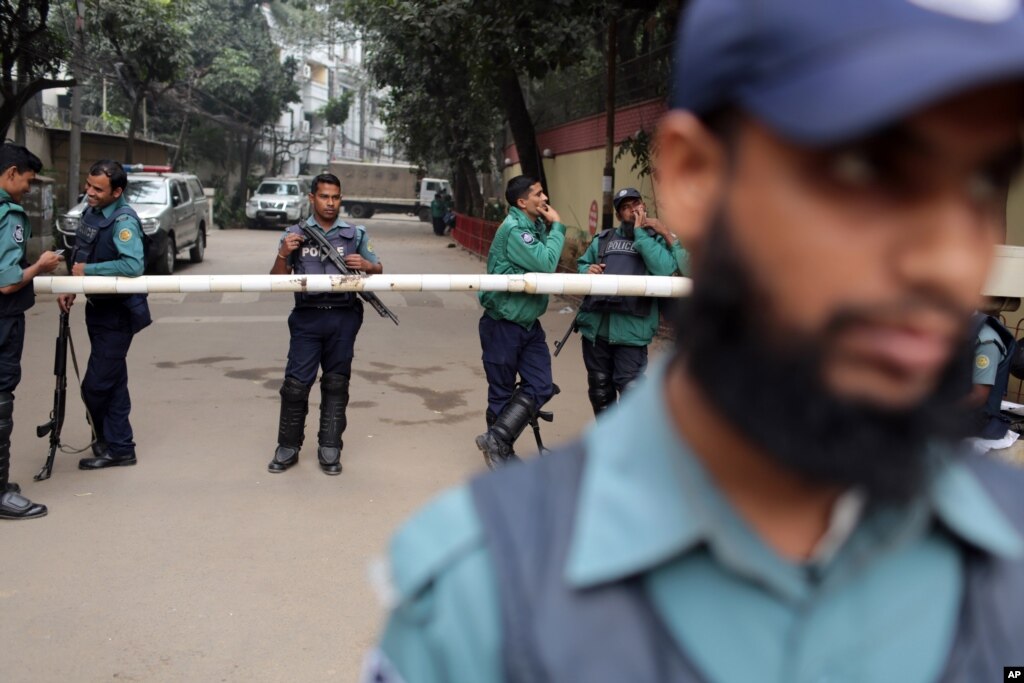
<point x="252" y="224"/>
<point x="360" y="211"/>
<point x="425" y="214"/>
<point x="165" y="264"/>
<point x="196" y="253"/>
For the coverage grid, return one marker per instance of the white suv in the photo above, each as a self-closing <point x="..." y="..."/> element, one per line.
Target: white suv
<point x="278" y="202"/>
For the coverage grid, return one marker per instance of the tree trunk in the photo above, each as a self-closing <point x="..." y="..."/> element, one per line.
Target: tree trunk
<point x="129" y="153"/>
<point x="521" y="123"/>
<point x="474" y="199"/>
<point x="243" y="183"/>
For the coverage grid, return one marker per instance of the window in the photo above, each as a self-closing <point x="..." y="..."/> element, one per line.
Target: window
<point x="146" y="192"/>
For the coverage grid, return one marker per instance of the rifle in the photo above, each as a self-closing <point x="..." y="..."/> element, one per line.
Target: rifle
<point x="327" y="249"/>
<point x="60" y="369"/>
<point x="574" y="326"/>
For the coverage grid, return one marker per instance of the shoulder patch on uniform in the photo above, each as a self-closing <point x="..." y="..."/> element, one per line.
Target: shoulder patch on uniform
<point x="125" y="235"/>
<point x="432" y="541"/>
<point x="982" y="362"/>
<point x="369" y="246"/>
<point x="528" y="238"/>
<point x="19" y="233"/>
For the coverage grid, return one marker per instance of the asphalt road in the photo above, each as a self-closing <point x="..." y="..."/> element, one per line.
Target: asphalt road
<point x="199" y="565"/>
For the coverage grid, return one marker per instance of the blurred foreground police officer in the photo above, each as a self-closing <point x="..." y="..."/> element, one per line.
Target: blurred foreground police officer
<point x="780" y="501"/>
<point x="618" y="329"/>
<point x="109" y="243"/>
<point x="18" y="167"/>
<point x="529" y="240"/>
<point x="323" y="328"/>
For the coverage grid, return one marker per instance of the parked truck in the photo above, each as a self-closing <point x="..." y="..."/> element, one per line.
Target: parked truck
<point x="368" y="188"/>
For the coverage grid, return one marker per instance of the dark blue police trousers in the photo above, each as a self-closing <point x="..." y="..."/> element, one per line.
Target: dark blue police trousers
<point x="620" y="362"/>
<point x="105" y="386"/>
<point x="510" y="350"/>
<point x="12" y="340"/>
<point x="322" y="337"/>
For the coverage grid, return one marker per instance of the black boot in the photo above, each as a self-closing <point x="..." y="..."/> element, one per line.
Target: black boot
<point x="292" y="424"/>
<point x="600" y="391"/>
<point x="13" y="505"/>
<point x="333" y="401"/>
<point x="496" y="444"/>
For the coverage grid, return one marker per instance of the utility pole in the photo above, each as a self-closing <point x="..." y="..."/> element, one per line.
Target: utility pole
<point x="75" y="134"/>
<point x="608" y="182"/>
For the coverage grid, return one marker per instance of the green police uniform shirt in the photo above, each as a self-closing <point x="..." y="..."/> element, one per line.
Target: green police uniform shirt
<point x="879" y="601"/>
<point x="15" y="231"/>
<point x="621" y="328"/>
<point x="521" y="246"/>
<point x="130" y="261"/>
<point x="988" y="354"/>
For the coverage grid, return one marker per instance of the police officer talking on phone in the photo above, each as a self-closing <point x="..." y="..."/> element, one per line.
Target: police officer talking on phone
<point x="323" y="328"/>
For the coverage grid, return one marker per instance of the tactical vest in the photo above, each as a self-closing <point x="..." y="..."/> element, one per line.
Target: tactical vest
<point x="22" y="300"/>
<point x="620" y="257"/>
<point x="611" y="633"/>
<point x="990" y="422"/>
<point x="307" y="260"/>
<point x="94" y="240"/>
<point x="94" y="243"/>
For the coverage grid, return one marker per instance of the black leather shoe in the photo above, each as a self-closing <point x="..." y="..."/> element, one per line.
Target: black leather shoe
<point x="108" y="459"/>
<point x="16" y="506"/>
<point x="284" y="457"/>
<point x="330" y="459"/>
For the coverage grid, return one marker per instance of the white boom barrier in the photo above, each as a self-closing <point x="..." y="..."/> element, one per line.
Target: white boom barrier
<point x="530" y="283"/>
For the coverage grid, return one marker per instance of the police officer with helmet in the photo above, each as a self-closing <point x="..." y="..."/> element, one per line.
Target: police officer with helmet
<point x="617" y="330"/>
<point x="109" y="243"/>
<point x="323" y="328"/>
<point x="18" y="167"/>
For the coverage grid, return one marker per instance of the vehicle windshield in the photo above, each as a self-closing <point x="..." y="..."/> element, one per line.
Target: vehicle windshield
<point x="146" y="192"/>
<point x="278" y="188"/>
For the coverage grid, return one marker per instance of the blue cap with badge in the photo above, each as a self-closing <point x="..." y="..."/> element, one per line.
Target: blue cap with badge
<point x="823" y="71"/>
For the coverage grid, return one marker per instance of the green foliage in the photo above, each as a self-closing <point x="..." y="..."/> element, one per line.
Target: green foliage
<point x="641" y="147"/>
<point x="32" y="50"/>
<point x="336" y="111"/>
<point x="115" y="123"/>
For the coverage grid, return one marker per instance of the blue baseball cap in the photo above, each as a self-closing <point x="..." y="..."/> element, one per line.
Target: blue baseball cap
<point x="825" y="71"/>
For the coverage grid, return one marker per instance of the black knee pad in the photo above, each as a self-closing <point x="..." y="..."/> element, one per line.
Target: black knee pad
<point x="600" y="390"/>
<point x="294" y="390"/>
<point x="333" y="384"/>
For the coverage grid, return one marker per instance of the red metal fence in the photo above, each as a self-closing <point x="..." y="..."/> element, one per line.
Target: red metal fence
<point x="474" y="234"/>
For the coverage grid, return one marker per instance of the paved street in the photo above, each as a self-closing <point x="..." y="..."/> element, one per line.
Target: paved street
<point x="198" y="564"/>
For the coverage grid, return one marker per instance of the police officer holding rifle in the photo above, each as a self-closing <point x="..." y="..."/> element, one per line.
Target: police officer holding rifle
<point x="323" y="326"/>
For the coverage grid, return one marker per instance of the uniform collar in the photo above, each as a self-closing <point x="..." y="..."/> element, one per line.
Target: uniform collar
<point x="338" y="223"/>
<point x="522" y="220"/>
<point x="113" y="206"/>
<point x="645" y="499"/>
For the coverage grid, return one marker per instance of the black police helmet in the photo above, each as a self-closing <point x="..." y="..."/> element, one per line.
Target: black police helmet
<point x="624" y="194"/>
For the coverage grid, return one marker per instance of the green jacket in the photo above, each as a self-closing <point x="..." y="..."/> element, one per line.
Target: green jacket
<point x="437" y="207"/>
<point x="521" y="246"/>
<point x="15" y="231"/>
<point x="622" y="328"/>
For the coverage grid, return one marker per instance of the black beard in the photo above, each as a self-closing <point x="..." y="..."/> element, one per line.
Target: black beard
<point x="774" y="394"/>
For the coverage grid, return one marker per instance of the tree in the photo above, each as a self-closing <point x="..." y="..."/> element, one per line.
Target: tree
<point x="32" y="52"/>
<point x="144" y="40"/>
<point x="335" y="113"/>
